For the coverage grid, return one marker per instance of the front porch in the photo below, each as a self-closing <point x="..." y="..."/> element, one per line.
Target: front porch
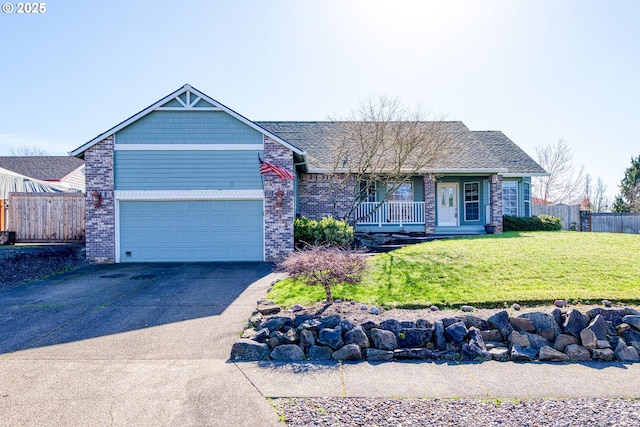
<point x="406" y="217"/>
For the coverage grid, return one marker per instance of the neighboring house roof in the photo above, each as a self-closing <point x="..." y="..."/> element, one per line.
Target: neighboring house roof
<point x="469" y="151"/>
<point x="11" y="182"/>
<point x="177" y="101"/>
<point x="44" y="168"/>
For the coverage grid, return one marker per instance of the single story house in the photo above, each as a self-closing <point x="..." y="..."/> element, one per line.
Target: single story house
<point x="63" y="171"/>
<point x="13" y="182"/>
<point x="181" y="181"/>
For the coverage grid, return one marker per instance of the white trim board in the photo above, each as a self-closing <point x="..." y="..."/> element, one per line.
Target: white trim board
<point x="188" y="147"/>
<point x="189" y="195"/>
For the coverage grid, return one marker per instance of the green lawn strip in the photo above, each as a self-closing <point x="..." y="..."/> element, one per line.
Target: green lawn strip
<point x="492" y="271"/>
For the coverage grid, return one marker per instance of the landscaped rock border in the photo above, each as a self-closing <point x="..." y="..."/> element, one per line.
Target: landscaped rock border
<point x="601" y="334"/>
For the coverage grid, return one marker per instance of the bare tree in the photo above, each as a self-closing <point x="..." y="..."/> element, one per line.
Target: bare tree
<point x="26" y="150"/>
<point x="565" y="181"/>
<point x="384" y="144"/>
<point x="595" y="198"/>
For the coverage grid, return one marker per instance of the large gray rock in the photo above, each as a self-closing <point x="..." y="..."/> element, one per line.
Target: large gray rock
<point x="542" y="321"/>
<point x="632" y="337"/>
<point x="626" y="353"/>
<point x="500" y="354"/>
<point x="563" y="340"/>
<point x="603" y="354"/>
<point x="245" y="349"/>
<point x="412" y="353"/>
<point x="391" y="325"/>
<point x="266" y="307"/>
<point x="299" y="319"/>
<point x="275" y="323"/>
<point x="357" y="336"/>
<point x="491" y="335"/>
<point x="522" y="324"/>
<point x="588" y="339"/>
<point x="577" y="352"/>
<point x="383" y="339"/>
<point x="331" y="321"/>
<point x="287" y="352"/>
<point x="575" y="323"/>
<point x="376" y="355"/>
<point x="523" y="354"/>
<point x="414" y="337"/>
<point x="290" y="337"/>
<point x="536" y="341"/>
<point x="548" y="354"/>
<point x="475" y="321"/>
<point x="475" y="338"/>
<point x="331" y="337"/>
<point x="471" y="351"/>
<point x="346" y="325"/>
<point x="456" y="332"/>
<point x="599" y="327"/>
<point x="261" y="336"/>
<point x="348" y="352"/>
<point x="633" y="320"/>
<point x="439" y="340"/>
<point x="520" y="339"/>
<point x="319" y="352"/>
<point x="311" y="324"/>
<point x="611" y="315"/>
<point x="559" y="316"/>
<point x="423" y="324"/>
<point x="307" y="339"/>
<point x="500" y="321"/>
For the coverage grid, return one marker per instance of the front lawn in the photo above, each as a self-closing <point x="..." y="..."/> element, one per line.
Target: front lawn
<point x="492" y="271"/>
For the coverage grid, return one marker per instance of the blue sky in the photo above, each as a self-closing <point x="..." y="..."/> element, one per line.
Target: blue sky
<point x="537" y="70"/>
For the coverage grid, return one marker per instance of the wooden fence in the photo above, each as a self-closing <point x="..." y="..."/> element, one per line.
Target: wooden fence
<point x="615" y="222"/>
<point x="47" y="217"/>
<point x="569" y="215"/>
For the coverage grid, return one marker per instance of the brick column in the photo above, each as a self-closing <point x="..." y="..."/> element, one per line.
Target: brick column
<point x="278" y="216"/>
<point x="429" y="184"/>
<point x="496" y="201"/>
<point x="100" y="220"/>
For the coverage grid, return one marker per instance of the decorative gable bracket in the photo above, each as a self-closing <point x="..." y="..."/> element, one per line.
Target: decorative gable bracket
<point x="187" y="100"/>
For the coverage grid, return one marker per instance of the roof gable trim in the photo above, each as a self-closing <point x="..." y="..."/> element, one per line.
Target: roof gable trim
<point x="188" y="98"/>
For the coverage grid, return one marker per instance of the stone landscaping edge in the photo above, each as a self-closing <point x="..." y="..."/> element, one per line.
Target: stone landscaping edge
<point x="599" y="334"/>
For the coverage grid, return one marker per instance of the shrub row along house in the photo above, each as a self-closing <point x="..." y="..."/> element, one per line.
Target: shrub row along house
<point x="181" y="181"/>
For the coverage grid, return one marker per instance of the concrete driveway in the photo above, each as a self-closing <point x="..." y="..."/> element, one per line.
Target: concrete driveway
<point x="131" y="344"/>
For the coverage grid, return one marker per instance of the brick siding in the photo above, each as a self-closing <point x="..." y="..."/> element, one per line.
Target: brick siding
<point x="496" y="202"/>
<point x="322" y="195"/>
<point x="429" y="184"/>
<point x="100" y="221"/>
<point x="278" y="216"/>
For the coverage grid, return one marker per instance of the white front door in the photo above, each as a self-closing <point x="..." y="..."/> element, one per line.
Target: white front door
<point x="447" y="202"/>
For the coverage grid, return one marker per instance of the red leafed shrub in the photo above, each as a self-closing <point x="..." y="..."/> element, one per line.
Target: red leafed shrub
<point x="326" y="266"/>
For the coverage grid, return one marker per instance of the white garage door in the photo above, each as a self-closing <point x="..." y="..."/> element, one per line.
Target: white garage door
<point x="195" y="230"/>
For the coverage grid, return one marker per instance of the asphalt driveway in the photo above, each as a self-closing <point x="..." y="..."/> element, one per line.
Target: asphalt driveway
<point x="131" y="344"/>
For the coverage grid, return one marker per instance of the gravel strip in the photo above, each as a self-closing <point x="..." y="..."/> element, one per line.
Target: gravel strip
<point x="373" y="412"/>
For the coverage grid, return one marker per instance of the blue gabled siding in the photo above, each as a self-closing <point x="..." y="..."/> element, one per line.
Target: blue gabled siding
<point x="188" y="127"/>
<point x="186" y="170"/>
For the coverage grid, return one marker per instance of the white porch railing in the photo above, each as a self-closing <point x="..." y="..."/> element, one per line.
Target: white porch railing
<point x="390" y="213"/>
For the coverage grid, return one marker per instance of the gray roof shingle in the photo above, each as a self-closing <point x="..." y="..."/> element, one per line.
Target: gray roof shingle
<point x="45" y="168"/>
<point x="469" y="150"/>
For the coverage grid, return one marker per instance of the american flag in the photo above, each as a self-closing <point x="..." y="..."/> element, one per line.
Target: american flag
<point x="267" y="168"/>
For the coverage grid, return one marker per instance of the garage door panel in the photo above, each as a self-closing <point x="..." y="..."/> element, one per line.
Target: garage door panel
<point x="212" y="230"/>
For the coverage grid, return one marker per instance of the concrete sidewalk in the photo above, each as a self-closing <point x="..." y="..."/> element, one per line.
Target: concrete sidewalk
<point x="488" y="380"/>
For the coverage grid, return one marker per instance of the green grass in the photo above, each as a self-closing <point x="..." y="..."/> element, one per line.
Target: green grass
<point x="492" y="271"/>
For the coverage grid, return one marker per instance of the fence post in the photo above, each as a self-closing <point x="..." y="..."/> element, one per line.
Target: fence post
<point x="585" y="220"/>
